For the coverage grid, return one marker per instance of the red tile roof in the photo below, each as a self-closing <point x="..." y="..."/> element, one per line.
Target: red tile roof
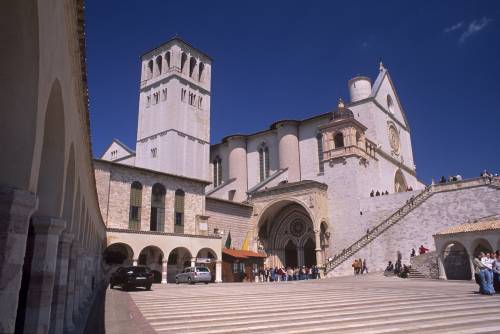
<point x="242" y="254"/>
<point x="472" y="227"/>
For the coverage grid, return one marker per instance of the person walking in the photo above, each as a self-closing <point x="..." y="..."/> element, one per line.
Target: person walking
<point x="355" y="266"/>
<point x="364" y="268"/>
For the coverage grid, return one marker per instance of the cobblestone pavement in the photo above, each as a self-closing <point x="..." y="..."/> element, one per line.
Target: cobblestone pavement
<point x="367" y="304"/>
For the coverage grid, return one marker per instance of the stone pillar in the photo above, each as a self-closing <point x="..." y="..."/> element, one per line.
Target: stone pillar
<point x="288" y="149"/>
<point x="134" y="262"/>
<point x="300" y="256"/>
<point x="16" y="207"/>
<point x="193" y="262"/>
<point x="319" y="256"/>
<point x="442" y="272"/>
<point x="60" y="285"/>
<point x="78" y="282"/>
<point x="43" y="268"/>
<point x="70" y="292"/>
<point x="237" y="159"/>
<point x="472" y="269"/>
<point x="218" y="271"/>
<point x="164" y="265"/>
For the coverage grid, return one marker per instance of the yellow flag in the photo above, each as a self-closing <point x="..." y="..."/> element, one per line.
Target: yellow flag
<point x="246" y="243"/>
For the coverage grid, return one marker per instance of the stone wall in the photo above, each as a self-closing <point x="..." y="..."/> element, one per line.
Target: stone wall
<point x="426" y="264"/>
<point x="441" y="210"/>
<point x="229" y="217"/>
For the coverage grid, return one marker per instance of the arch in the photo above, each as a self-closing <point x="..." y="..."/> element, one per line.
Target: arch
<point x="150" y="69"/>
<point x="481" y="245"/>
<point x="179" y="211"/>
<point x="217" y="171"/>
<point x="264" y="168"/>
<point x="338" y="140"/>
<point x="183" y="61"/>
<point x="178" y="259"/>
<point x="50" y="182"/>
<point x="152" y="257"/>
<point x="207" y="253"/>
<point x="309" y="253"/>
<point x="19" y="93"/>
<point x="400" y="184"/>
<point x="167" y="59"/>
<point x="69" y="189"/>
<point x="192" y="66"/>
<point x="118" y="254"/>
<point x="157" y="217"/>
<point x="134" y="222"/>
<point x="456" y="262"/>
<point x="201" y="69"/>
<point x="319" y="142"/>
<point x="158" y="65"/>
<point x="291" y="259"/>
<point x="390" y="104"/>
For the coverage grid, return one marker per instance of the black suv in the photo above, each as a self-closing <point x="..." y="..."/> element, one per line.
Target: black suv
<point x="132" y="277"/>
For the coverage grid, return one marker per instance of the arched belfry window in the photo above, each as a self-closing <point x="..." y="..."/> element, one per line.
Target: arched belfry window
<point x="150" y="69"/>
<point x="319" y="140"/>
<point x="167" y="59"/>
<point x="183" y="61"/>
<point x="179" y="211"/>
<point x="134" y="222"/>
<point x="390" y="104"/>
<point x="192" y="65"/>
<point x="217" y="171"/>
<point x="338" y="140"/>
<point x="200" y="71"/>
<point x="157" y="219"/>
<point x="264" y="162"/>
<point x="158" y="65"/>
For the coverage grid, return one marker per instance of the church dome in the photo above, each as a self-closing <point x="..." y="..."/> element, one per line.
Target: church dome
<point x="342" y="112"/>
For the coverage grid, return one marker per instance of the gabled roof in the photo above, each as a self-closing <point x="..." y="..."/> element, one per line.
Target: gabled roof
<point x="122" y="145"/>
<point x="472" y="227"/>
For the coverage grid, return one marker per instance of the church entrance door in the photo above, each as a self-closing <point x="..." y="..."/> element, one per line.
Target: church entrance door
<point x="309" y="253"/>
<point x="291" y="255"/>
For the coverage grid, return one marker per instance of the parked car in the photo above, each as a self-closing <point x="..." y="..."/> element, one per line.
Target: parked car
<point x="194" y="275"/>
<point x="132" y="277"/>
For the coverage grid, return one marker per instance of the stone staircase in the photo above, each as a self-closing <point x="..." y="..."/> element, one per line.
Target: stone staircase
<point x="416" y="274"/>
<point x="410" y="205"/>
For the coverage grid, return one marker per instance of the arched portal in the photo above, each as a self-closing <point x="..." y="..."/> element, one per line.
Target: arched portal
<point x="456" y="262"/>
<point x="206" y="257"/>
<point x="399" y="182"/>
<point x="481" y="245"/>
<point x="284" y="229"/>
<point x="178" y="259"/>
<point x="152" y="257"/>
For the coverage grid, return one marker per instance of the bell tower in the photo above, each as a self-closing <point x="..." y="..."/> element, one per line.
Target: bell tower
<point x="173" y="132"/>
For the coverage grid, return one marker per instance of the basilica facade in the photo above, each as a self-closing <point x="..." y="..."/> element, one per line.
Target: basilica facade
<point x="293" y="191"/>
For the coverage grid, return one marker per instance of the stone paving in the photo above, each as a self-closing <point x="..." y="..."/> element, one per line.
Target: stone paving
<point x="365" y="304"/>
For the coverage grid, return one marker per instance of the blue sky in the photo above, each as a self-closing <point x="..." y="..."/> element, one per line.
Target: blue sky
<point x="287" y="59"/>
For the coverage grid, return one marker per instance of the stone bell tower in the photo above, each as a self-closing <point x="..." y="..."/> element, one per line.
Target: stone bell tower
<point x="173" y="133"/>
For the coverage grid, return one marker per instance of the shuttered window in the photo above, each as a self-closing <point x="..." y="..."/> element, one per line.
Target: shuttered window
<point x="319" y="139"/>
<point x="179" y="211"/>
<point x="135" y="206"/>
<point x="264" y="162"/>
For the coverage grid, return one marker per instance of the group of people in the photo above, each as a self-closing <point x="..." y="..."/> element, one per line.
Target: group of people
<point x="452" y="178"/>
<point x="283" y="274"/>
<point x="398" y="269"/>
<point x="421" y="250"/>
<point x="359" y="266"/>
<point x="378" y="193"/>
<point x="487" y="272"/>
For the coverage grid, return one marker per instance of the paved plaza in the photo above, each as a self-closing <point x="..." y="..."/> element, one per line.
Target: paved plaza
<point x="367" y="304"/>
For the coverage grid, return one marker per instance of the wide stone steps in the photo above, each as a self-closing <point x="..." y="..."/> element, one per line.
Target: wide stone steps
<point x="358" y="305"/>
<point x="380" y="229"/>
<point x="416" y="274"/>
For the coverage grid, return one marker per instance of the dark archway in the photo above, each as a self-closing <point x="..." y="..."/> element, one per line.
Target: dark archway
<point x="118" y="254"/>
<point x="291" y="259"/>
<point x="309" y="253"/>
<point x="178" y="259"/>
<point x="456" y="262"/>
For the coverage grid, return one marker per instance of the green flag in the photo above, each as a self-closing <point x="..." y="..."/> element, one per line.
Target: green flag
<point x="228" y="241"/>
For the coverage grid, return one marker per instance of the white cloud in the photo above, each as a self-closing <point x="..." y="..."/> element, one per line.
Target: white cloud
<point x="473" y="28"/>
<point x="454" y="27"/>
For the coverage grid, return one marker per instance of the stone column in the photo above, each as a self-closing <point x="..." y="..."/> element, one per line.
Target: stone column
<point x="442" y="272"/>
<point x="472" y="269"/>
<point x="319" y="257"/>
<point x="193" y="262"/>
<point x="218" y="271"/>
<point x="78" y="283"/>
<point x="16" y="208"/>
<point x="300" y="256"/>
<point x="164" y="264"/>
<point x="70" y="292"/>
<point x="43" y="268"/>
<point x="60" y="285"/>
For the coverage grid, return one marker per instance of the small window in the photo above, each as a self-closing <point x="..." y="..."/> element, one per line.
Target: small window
<point x="156" y="98"/>
<point x="319" y="140"/>
<point x="192" y="66"/>
<point x="158" y="65"/>
<point x="338" y="140"/>
<point x="167" y="59"/>
<point x="264" y="169"/>
<point x="164" y="94"/>
<point x="183" y="61"/>
<point x="183" y="95"/>
<point x="200" y="71"/>
<point x="154" y="152"/>
<point x="148" y="101"/>
<point x="200" y="103"/>
<point x="150" y="69"/>
<point x="390" y="104"/>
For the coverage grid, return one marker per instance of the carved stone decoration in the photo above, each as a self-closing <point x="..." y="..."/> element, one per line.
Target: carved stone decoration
<point x="297" y="228"/>
<point x="394" y="138"/>
<point x="311" y="201"/>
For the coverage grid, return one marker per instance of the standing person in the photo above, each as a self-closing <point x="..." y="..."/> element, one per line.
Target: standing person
<point x="360" y="266"/>
<point x="354" y="266"/>
<point x="413" y="253"/>
<point x="289" y="273"/>
<point x="422" y="249"/>
<point x="496" y="272"/>
<point x="485" y="276"/>
<point x="365" y="267"/>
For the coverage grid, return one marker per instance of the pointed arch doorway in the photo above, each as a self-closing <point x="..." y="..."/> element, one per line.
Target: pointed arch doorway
<point x="309" y="253"/>
<point x="291" y="259"/>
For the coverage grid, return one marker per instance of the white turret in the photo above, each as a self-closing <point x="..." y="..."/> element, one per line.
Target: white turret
<point x="360" y="88"/>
